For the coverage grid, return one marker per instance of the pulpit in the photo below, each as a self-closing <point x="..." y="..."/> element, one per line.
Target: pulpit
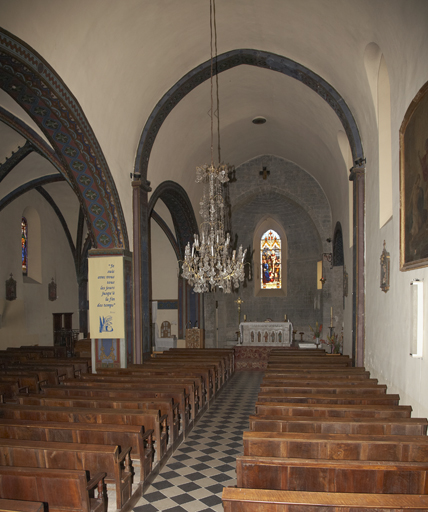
<point x="195" y="338"/>
<point x="266" y="334"/>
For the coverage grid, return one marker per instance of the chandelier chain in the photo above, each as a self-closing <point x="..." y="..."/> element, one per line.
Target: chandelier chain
<point x="208" y="264"/>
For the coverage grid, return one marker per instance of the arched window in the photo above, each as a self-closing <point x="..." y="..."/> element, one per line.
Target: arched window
<point x="270" y="257"/>
<point x="24" y="246"/>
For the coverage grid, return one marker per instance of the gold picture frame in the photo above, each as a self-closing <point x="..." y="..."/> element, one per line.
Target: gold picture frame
<point x="414" y="184"/>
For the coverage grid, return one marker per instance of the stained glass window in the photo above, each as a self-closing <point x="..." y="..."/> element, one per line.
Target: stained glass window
<point x="270" y="256"/>
<point x="24" y="245"/>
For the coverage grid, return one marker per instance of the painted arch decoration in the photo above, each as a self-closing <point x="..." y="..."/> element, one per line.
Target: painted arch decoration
<point x="35" y="86"/>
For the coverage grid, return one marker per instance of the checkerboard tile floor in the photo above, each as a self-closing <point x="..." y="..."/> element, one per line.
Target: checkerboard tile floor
<point x="194" y="477"/>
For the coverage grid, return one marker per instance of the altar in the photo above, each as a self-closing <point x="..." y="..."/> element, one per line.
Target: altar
<point x="266" y="334"/>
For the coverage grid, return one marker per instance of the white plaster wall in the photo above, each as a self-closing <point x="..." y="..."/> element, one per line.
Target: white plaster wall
<point x="388" y="314"/>
<point x="28" y="319"/>
<point x="164" y="275"/>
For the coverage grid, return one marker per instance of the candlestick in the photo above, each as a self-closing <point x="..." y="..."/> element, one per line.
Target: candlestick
<point x="331" y="317"/>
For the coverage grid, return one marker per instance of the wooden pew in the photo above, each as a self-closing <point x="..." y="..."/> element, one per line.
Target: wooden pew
<point x="223" y="364"/>
<point x="151" y="420"/>
<point x="45" y="375"/>
<point x="198" y="393"/>
<point x="317" y="379"/>
<point x="336" y="446"/>
<point x="363" y="387"/>
<point x="63" y="490"/>
<point x="214" y="378"/>
<point x="228" y="353"/>
<point x="9" y="389"/>
<point x="143" y="382"/>
<point x="316" y="365"/>
<point x="64" y="367"/>
<point x="367" y="426"/>
<point x="266" y="500"/>
<point x="95" y="458"/>
<point x="209" y="374"/>
<point x="44" y="350"/>
<point x="164" y="405"/>
<point x="333" y="410"/>
<point x="310" y="362"/>
<point x="81" y="364"/>
<point x="329" y="398"/>
<point x="317" y="373"/>
<point x="289" y="474"/>
<point x="28" y="382"/>
<point x="21" y="506"/>
<point x="141" y="442"/>
<point x="179" y="397"/>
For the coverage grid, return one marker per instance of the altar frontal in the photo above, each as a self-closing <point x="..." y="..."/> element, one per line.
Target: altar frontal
<point x="267" y="334"/>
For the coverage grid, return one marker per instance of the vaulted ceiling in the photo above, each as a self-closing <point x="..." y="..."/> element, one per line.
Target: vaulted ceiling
<point x="120" y="59"/>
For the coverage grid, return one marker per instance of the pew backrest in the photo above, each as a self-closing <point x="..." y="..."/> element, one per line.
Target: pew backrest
<point x="266" y="500"/>
<point x="64" y="490"/>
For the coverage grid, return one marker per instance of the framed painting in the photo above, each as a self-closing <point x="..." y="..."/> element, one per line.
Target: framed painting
<point x="414" y="184"/>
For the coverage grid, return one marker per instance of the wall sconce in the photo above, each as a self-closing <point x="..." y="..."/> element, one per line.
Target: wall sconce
<point x="416" y="318"/>
<point x="11" y="288"/>
<point x="52" y="290"/>
<point x="328" y="256"/>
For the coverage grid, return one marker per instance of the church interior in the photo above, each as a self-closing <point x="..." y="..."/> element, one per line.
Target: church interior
<point x="316" y="107"/>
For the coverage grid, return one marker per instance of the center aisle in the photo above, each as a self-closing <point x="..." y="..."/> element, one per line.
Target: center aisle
<point x="194" y="477"/>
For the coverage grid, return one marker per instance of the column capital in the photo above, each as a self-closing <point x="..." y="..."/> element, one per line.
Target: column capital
<point x="93" y="253"/>
<point x="143" y="184"/>
<point x="356" y="172"/>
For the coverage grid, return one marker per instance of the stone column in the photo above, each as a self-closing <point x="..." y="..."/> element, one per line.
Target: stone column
<point x="83" y="304"/>
<point x="110" y="303"/>
<point x="357" y="176"/>
<point x="141" y="247"/>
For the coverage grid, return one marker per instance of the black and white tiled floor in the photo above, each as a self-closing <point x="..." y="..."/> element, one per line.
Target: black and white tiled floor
<point x="194" y="477"/>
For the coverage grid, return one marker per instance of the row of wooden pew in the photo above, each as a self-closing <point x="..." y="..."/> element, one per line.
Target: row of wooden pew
<point x="119" y="425"/>
<point x="327" y="437"/>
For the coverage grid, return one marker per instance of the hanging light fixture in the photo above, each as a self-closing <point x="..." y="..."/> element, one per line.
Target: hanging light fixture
<point x="207" y="263"/>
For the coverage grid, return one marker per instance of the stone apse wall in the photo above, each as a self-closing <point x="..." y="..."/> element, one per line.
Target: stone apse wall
<point x="292" y="198"/>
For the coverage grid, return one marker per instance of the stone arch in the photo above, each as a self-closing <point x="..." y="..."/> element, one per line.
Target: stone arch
<point x="185" y="226"/>
<point x="230" y="60"/>
<point x="36" y="87"/>
<point x="178" y="203"/>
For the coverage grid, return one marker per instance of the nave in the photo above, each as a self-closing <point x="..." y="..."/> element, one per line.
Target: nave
<point x="194" y="477"/>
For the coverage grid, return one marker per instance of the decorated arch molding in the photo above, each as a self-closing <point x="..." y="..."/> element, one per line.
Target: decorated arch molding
<point x="178" y="203"/>
<point x="248" y="57"/>
<point x="35" y="86"/>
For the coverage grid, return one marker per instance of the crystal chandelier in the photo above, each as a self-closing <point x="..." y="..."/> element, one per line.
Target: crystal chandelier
<point x="207" y="263"/>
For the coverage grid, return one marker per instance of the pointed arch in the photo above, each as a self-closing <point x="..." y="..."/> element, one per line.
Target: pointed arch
<point x="37" y="88"/>
<point x="190" y="304"/>
<point x="230" y="60"/>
